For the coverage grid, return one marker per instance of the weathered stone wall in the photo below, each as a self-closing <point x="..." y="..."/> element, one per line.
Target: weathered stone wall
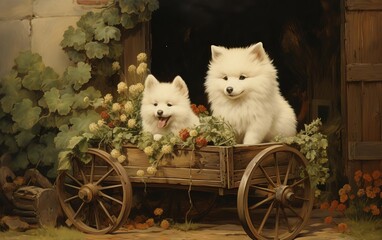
<point x="37" y="25"/>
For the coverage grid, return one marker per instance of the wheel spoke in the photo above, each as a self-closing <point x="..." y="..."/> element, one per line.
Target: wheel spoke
<point x="298" y="182"/>
<point x="111" y="186"/>
<point x="287" y="172"/>
<point x="104" y="176"/>
<point x="266" y="217"/>
<point x="294" y="211"/>
<point x="277" y="221"/>
<point x="92" y="170"/>
<point x="78" y="210"/>
<point x="83" y="176"/>
<point x="96" y="216"/>
<point x="267" y="176"/>
<point x="105" y="210"/>
<point x="110" y="197"/>
<point x="71" y="198"/>
<point x="301" y="198"/>
<point x="71" y="186"/>
<point x="278" y="180"/>
<point x="263" y="189"/>
<point x="268" y="199"/>
<point x="286" y="218"/>
<point x="74" y="179"/>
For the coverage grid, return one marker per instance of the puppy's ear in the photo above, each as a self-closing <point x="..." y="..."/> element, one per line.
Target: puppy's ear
<point x="216" y="51"/>
<point x="180" y="85"/>
<point x="258" y="51"/>
<point x="151" y="82"/>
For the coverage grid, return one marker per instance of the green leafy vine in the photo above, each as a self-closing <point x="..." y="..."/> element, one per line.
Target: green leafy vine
<point x="42" y="115"/>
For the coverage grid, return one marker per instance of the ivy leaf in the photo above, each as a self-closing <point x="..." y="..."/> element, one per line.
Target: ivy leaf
<point x="32" y="80"/>
<point x="50" y="153"/>
<point x="106" y="33"/>
<point x="96" y="50"/>
<point x="6" y="125"/>
<point x="63" y="137"/>
<point x="7" y="102"/>
<point x="25" y="115"/>
<point x="35" y="152"/>
<point x="91" y="93"/>
<point x="10" y="143"/>
<point x="81" y="122"/>
<point x="57" y="102"/>
<point x="127" y="6"/>
<point x="10" y="84"/>
<point x="115" y="50"/>
<point x="50" y="79"/>
<point x="144" y="16"/>
<point x="153" y="5"/>
<point x="27" y="61"/>
<point x="89" y="21"/>
<point x="126" y="21"/>
<point x="75" y="38"/>
<point x="20" y="161"/>
<point x="64" y="159"/>
<point x="78" y="75"/>
<point x="24" y="138"/>
<point x="76" y="56"/>
<point x="111" y="16"/>
<point x="74" y="141"/>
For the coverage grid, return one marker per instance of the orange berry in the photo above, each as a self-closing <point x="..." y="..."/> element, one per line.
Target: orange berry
<point x="342" y="227"/>
<point x="376" y="174"/>
<point x="165" y="224"/>
<point x="328" y="219"/>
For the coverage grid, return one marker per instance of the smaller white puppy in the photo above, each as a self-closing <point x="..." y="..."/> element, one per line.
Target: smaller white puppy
<point x="166" y="107"/>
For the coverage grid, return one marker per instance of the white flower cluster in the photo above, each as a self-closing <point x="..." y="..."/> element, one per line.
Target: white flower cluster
<point x="122" y="87"/>
<point x="115" y="153"/>
<point x="142" y="68"/>
<point x="93" y="127"/>
<point x="136" y="89"/>
<point x="142" y="57"/>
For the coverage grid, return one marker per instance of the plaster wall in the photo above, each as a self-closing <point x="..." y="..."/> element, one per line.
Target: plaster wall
<point x="37" y="25"/>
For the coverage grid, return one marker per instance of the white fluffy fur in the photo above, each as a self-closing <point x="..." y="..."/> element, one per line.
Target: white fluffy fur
<point x="172" y="99"/>
<point x="255" y="107"/>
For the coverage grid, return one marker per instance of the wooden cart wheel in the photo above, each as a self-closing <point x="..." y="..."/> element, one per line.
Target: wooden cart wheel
<point x="275" y="198"/>
<point x="97" y="196"/>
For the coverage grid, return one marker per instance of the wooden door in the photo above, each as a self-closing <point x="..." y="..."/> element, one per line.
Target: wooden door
<point x="362" y="84"/>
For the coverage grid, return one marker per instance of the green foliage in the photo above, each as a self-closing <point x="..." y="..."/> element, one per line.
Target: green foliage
<point x="98" y="34"/>
<point x="313" y="144"/>
<point x="45" y="117"/>
<point x="34" y="105"/>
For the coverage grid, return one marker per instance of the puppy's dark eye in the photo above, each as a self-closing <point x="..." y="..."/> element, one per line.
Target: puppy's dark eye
<point x="169" y="105"/>
<point x="225" y="78"/>
<point x="155" y="104"/>
<point x="242" y="77"/>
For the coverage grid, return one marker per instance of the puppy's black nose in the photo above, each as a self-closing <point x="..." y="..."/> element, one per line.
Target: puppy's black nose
<point x="159" y="112"/>
<point x="229" y="89"/>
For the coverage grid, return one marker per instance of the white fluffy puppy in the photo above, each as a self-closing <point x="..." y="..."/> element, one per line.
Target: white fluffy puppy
<point x="166" y="107"/>
<point x="242" y="87"/>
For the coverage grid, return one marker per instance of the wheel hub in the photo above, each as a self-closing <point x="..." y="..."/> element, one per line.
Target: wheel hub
<point x="284" y="194"/>
<point x="88" y="193"/>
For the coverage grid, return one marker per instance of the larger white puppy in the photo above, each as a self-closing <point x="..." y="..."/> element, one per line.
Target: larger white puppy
<point x="242" y="87"/>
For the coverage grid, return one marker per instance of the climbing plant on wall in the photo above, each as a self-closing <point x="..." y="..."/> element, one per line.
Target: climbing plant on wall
<point x="96" y="39"/>
<point x="40" y="111"/>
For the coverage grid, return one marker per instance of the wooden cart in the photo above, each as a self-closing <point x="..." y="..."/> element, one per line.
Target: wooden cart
<point x="274" y="195"/>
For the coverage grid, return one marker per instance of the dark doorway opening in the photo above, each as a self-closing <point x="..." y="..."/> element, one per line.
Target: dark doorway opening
<point x="302" y="37"/>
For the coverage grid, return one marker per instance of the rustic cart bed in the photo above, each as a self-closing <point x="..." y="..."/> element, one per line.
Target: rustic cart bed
<point x="274" y="195"/>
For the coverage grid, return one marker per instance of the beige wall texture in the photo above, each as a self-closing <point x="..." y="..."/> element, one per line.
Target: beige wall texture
<point x="37" y="25"/>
